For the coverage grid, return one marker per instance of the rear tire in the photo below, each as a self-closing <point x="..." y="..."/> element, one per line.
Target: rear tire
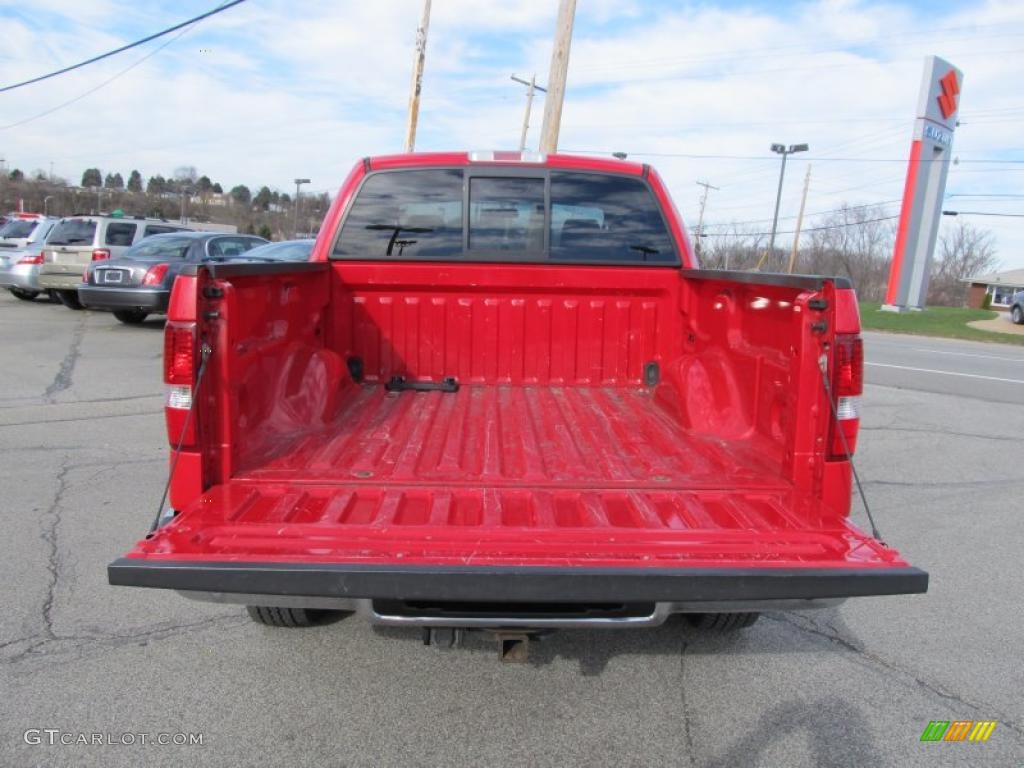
<point x="286" y="617"/>
<point x="69" y="299"/>
<point x="1017" y="315"/>
<point x="21" y="293"/>
<point x="131" y="316"/>
<point x="722" y="622"/>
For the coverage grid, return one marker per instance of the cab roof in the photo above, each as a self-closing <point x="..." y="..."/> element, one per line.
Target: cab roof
<point x="501" y="158"/>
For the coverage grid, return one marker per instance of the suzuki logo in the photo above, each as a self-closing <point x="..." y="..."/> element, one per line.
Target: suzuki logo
<point x="950" y="89"/>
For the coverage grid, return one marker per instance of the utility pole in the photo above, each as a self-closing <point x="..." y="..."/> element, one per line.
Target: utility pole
<point x="779" y="149"/>
<point x="298" y="185"/>
<point x="799" y="222"/>
<point x="532" y="86"/>
<point x="417" y="78"/>
<point x="700" y="218"/>
<point x="557" y="76"/>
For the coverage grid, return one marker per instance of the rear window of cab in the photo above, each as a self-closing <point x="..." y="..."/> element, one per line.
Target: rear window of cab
<point x="443" y="214"/>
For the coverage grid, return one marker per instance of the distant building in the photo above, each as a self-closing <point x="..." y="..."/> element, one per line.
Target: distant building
<point x="999" y="285"/>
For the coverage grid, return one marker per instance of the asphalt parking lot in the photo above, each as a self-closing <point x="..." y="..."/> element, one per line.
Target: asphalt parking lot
<point x="83" y="447"/>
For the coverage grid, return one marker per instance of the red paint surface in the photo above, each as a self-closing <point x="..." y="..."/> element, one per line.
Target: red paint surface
<point x="892" y="292"/>
<point x="555" y="451"/>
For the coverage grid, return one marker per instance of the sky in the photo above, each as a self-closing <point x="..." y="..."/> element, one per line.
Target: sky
<point x="271" y="90"/>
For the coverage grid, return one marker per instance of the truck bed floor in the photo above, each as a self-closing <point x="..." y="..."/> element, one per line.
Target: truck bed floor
<point x="509" y="436"/>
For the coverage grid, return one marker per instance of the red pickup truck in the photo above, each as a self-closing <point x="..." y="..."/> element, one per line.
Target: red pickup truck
<point x="502" y="395"/>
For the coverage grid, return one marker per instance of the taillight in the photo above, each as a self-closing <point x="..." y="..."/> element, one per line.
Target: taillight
<point x="155" y="274"/>
<point x="99" y="254"/>
<point x="179" y="353"/>
<point x="180" y="349"/>
<point x="847" y="387"/>
<point x="37" y="259"/>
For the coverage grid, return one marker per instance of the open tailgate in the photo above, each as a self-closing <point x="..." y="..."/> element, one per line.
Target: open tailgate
<point x="511" y="543"/>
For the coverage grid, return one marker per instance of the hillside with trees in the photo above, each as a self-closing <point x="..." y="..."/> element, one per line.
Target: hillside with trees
<point x="184" y="192"/>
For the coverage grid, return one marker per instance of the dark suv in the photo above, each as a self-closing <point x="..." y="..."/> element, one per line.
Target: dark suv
<point x="1017" y="308"/>
<point x="139" y="283"/>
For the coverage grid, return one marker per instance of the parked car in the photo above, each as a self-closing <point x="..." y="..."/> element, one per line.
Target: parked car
<point x="138" y="283"/>
<point x="78" y="240"/>
<point x="24" y="230"/>
<point x="21" y="255"/>
<point x="285" y="250"/>
<point x="1017" y="308"/>
<point x="501" y="395"/>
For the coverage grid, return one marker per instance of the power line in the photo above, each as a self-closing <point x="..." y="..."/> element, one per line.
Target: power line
<point x="816" y="213"/>
<point x="695" y="156"/>
<point x="93" y="90"/>
<point x="124" y="48"/>
<point x="809" y="229"/>
<point x="984" y="213"/>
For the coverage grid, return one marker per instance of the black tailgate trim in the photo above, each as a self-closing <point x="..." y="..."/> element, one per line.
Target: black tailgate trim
<point x="527" y="583"/>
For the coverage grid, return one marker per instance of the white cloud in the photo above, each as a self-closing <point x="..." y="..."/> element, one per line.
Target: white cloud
<point x="308" y="89"/>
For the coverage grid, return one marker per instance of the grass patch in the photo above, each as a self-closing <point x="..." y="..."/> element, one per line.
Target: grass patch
<point x="947" y="322"/>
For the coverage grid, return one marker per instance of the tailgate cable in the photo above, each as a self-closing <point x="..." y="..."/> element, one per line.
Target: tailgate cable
<point x="823" y="364"/>
<point x="205" y="350"/>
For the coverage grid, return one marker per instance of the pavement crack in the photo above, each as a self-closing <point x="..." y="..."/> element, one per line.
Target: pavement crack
<point x="684" y="708"/>
<point x="62" y="380"/>
<point x="52" y="646"/>
<point x="834" y="636"/>
<point x="51" y="522"/>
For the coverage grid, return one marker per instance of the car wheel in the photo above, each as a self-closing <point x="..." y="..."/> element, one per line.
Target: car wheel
<point x="69" y="299"/>
<point x="131" y="316"/>
<point x="1017" y="315"/>
<point x="21" y="293"/>
<point x="722" y="622"/>
<point x="287" y="617"/>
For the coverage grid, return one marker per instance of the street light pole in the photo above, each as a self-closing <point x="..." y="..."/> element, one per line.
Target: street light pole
<point x="298" y="185"/>
<point x="46" y="205"/>
<point x="780" y="149"/>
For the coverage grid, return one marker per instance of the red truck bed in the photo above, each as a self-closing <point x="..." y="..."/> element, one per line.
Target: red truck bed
<point x="516" y="476"/>
<point x="633" y="432"/>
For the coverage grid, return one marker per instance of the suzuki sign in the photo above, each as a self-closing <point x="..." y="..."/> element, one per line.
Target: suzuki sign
<point x="930" y="152"/>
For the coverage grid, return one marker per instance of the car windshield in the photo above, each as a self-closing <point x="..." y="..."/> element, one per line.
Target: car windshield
<point x="18" y="228"/>
<point x="289" y="250"/>
<point x="72" y="232"/>
<point x="160" y="247"/>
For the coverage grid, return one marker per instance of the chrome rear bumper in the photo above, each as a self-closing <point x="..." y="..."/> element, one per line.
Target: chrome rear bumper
<point x="378" y="614"/>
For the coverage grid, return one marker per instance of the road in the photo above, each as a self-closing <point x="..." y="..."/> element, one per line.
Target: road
<point x="993" y="372"/>
<point x="83" y="463"/>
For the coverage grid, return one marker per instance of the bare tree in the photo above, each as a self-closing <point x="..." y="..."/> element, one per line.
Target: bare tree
<point x="854" y="242"/>
<point x="186" y="175"/>
<point x="964" y="250"/>
<point x="736" y="247"/>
